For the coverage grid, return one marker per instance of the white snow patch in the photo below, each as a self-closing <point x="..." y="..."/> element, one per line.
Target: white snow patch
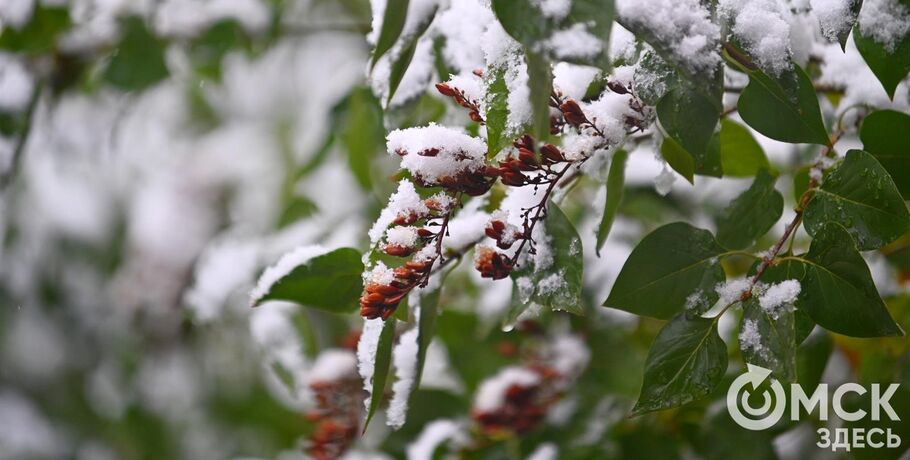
<point x="886" y="21"/>
<point x="492" y="392"/>
<point x="285" y="265"/>
<point x="332" y="365"/>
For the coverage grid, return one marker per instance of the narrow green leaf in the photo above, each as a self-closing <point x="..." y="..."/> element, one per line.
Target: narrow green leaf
<point x="402" y="59"/>
<point x="838" y="291"/>
<point x="685" y="363"/>
<point x="740" y="153"/>
<point x="381" y="367"/>
<point x="812" y="358"/>
<point x="540" y="84"/>
<point x="362" y="134"/>
<point x="690" y="119"/>
<point x="138" y="61"/>
<point x="886" y="135"/>
<point x="429" y="311"/>
<point x="496" y="99"/>
<point x="860" y="196"/>
<point x="558" y="286"/>
<point x="785" y="109"/>
<point x="330" y="282"/>
<point x="768" y="339"/>
<point x="890" y="66"/>
<point x="678" y="158"/>
<point x="615" y="184"/>
<point x="393" y="20"/>
<point x="751" y="214"/>
<point x="668" y="266"/>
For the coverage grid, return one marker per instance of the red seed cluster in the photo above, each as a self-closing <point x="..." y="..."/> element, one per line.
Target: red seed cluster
<point x="524" y="406"/>
<point x="512" y="170"/>
<point x="504" y="234"/>
<point x="459" y="97"/>
<point x="381" y="300"/>
<point x="491" y="264"/>
<point x="336" y="417"/>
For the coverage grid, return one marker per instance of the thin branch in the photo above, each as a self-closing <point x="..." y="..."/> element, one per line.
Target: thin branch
<point x="19" y="150"/>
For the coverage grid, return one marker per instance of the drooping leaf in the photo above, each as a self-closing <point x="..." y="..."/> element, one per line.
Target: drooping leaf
<point x="381" y="367"/>
<point x="330" y="282"/>
<point x="138" y="62"/>
<point x="690" y="119"/>
<point x="860" y="196"/>
<point x="890" y="65"/>
<point x="403" y="52"/>
<point x="839" y="29"/>
<point x="558" y="286"/>
<point x="784" y="108"/>
<point x="393" y="19"/>
<point x="540" y="86"/>
<point x="751" y="214"/>
<point x="685" y="363"/>
<point x="668" y="266"/>
<point x="40" y="33"/>
<point x="812" y="358"/>
<point x="615" y="184"/>
<point x="678" y="158"/>
<point x="886" y="135"/>
<point x="523" y="21"/>
<point x="768" y="339"/>
<point x="838" y="291"/>
<point x="740" y="153"/>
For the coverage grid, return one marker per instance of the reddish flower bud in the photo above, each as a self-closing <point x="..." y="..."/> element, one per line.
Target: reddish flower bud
<point x="552" y="153"/>
<point x="617" y="87"/>
<point x="445" y="90"/>
<point x="397" y="250"/>
<point x="573" y="113"/>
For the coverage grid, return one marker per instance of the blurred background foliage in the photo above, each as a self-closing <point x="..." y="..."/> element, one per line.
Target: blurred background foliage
<point x="157" y="155"/>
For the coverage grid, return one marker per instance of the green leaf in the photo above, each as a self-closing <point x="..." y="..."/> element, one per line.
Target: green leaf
<point x="540" y="85"/>
<point x="39" y="34"/>
<point x="685" y="363"/>
<point x="784" y="109"/>
<point x="860" y="196"/>
<point x="559" y="286"/>
<point x="207" y="51"/>
<point x="724" y="439"/>
<point x="299" y="208"/>
<point x="393" y="20"/>
<point x="597" y="15"/>
<point x="330" y="282"/>
<point x="668" y="266"/>
<point x="838" y="291"/>
<point x="886" y="135"/>
<point x="889" y="66"/>
<point x="138" y="62"/>
<point x="381" y="368"/>
<point x="751" y="214"/>
<point x="523" y="21"/>
<point x="429" y="311"/>
<point x="740" y="153"/>
<point x="400" y="61"/>
<point x="690" y="118"/>
<point x="769" y="339"/>
<point x="362" y="134"/>
<point x="615" y="184"/>
<point x="678" y="158"/>
<point x="496" y="99"/>
<point x="840" y="30"/>
<point x="811" y="359"/>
